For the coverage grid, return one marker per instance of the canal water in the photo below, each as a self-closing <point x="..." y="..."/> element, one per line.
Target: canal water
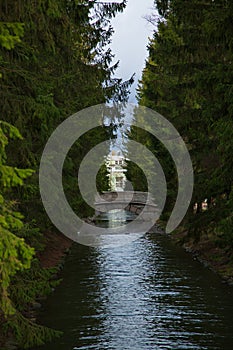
<point x="146" y="295"/>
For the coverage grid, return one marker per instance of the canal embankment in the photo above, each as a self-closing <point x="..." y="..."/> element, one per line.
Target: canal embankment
<point x="207" y="251"/>
<point x="56" y="248"/>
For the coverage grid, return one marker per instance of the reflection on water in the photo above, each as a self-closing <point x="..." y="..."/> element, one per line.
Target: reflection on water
<point x="146" y="295"/>
<point x="115" y="218"/>
<point x="116" y="228"/>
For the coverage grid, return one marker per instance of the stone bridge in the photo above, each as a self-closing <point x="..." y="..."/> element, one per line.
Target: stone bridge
<point x="133" y="201"/>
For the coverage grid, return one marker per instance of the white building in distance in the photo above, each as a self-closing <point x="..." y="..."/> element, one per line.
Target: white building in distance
<point x="116" y="165"/>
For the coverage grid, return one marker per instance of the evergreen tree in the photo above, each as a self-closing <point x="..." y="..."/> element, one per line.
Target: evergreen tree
<point x="54" y="62"/>
<point x="188" y="79"/>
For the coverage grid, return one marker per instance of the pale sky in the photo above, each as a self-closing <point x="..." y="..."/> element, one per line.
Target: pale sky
<point x="130" y="40"/>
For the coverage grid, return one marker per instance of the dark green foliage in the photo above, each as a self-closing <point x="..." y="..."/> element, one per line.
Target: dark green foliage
<point x="189" y="80"/>
<point x="54" y="62"/>
<point x="136" y="176"/>
<point x="35" y="334"/>
<point x="139" y="179"/>
<point x="102" y="179"/>
<point x="32" y="284"/>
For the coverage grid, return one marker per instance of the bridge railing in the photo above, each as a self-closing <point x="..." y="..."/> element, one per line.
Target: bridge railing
<point x="124" y="196"/>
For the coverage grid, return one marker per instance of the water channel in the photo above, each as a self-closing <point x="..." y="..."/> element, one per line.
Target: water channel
<point x="146" y="295"/>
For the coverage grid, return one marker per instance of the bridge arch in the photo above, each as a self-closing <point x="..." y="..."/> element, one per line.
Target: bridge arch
<point x="133" y="201"/>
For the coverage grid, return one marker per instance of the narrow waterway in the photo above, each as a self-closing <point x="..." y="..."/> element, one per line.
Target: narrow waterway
<point x="146" y="295"/>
